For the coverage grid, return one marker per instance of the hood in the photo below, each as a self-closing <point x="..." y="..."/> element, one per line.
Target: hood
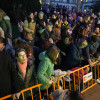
<point x="43" y="56"/>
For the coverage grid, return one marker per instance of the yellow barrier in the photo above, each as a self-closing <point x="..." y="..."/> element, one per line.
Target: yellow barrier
<point x="22" y="92"/>
<point x="47" y="89"/>
<point x="30" y="89"/>
<point x="86" y="85"/>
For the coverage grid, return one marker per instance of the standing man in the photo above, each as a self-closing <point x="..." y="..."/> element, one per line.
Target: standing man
<point x="8" y="75"/>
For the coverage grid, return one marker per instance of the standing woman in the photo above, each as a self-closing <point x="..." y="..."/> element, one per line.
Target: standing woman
<point x="46" y="67"/>
<point x="5" y="24"/>
<point x="26" y="70"/>
<point x="30" y="28"/>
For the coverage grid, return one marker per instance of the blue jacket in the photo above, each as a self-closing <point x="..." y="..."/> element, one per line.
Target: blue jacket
<point x="74" y="57"/>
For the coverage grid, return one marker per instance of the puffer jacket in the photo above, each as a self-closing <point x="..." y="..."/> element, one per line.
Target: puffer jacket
<point x="45" y="70"/>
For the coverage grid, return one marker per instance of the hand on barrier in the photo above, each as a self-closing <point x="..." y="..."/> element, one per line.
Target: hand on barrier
<point x="50" y="82"/>
<point x="52" y="78"/>
<point x="90" y="63"/>
<point x="16" y="95"/>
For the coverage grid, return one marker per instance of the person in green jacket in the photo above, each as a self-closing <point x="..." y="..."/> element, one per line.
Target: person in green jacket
<point x="46" y="66"/>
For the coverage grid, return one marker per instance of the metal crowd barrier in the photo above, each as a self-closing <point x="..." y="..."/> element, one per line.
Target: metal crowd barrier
<point x="23" y="91"/>
<point x="86" y="83"/>
<point x="30" y="89"/>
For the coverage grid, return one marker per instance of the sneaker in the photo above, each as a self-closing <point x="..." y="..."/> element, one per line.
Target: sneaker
<point x="98" y="80"/>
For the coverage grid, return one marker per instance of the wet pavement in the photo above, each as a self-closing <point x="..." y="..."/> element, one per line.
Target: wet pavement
<point x="93" y="93"/>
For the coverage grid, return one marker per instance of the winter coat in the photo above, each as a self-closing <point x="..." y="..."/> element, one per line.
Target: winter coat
<point x="6" y="26"/>
<point x="8" y="75"/>
<point x="28" y="26"/>
<point x="91" y="48"/>
<point x="74" y="57"/>
<point x="30" y="77"/>
<point x="45" y="70"/>
<point x="53" y="34"/>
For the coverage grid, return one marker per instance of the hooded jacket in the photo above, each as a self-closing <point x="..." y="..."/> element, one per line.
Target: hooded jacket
<point x="45" y="70"/>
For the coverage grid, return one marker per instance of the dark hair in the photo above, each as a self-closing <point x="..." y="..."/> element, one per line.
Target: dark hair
<point x="75" y="95"/>
<point x="28" y="49"/>
<point x="93" y="38"/>
<point x="81" y="28"/>
<point x="3" y="40"/>
<point x="28" y="18"/>
<point x="19" y="50"/>
<point x="52" y="53"/>
<point x="18" y="43"/>
<point x="50" y="24"/>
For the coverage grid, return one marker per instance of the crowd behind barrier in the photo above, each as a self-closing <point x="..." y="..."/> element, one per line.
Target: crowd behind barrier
<point x="74" y="85"/>
<point x="55" y="42"/>
<point x="77" y="81"/>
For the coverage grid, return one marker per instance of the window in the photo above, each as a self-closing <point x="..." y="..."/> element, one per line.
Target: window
<point x="64" y="0"/>
<point x="68" y="1"/>
<point x="86" y="0"/>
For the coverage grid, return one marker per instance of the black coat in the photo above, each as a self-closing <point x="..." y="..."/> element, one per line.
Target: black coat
<point x="8" y="75"/>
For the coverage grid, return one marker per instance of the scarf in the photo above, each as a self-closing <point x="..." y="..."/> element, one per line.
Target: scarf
<point x="23" y="67"/>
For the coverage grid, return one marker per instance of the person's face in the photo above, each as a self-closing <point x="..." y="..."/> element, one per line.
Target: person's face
<point x="65" y="22"/>
<point x="67" y="41"/>
<point x="84" y="44"/>
<point x="97" y="30"/>
<point x="35" y="13"/>
<point x="88" y="18"/>
<point x="61" y="16"/>
<point x="81" y="19"/>
<point x="31" y="16"/>
<point x="1" y="46"/>
<point x="53" y="17"/>
<point x="21" y="57"/>
<point x="49" y="28"/>
<point x="41" y="16"/>
<point x="30" y="56"/>
<point x="44" y="24"/>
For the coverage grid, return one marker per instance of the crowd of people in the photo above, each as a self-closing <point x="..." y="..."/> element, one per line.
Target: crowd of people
<point x="54" y="38"/>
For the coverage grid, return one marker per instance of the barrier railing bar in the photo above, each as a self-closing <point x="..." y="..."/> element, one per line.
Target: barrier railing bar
<point x="82" y="76"/>
<point x="74" y="81"/>
<point x="98" y="71"/>
<point x="84" y="67"/>
<point x="23" y="96"/>
<point x="58" y="80"/>
<point x="31" y="94"/>
<point x="39" y="93"/>
<point x="6" y="97"/>
<point x="64" y="82"/>
<point x="88" y="88"/>
<point x="47" y="92"/>
<point x="69" y="83"/>
<point x="79" y="81"/>
<point x="53" y="86"/>
<point x="95" y="72"/>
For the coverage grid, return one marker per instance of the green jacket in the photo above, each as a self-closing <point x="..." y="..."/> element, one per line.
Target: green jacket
<point x="45" y="70"/>
<point x="6" y="26"/>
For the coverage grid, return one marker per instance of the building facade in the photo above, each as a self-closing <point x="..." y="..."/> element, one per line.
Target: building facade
<point x="86" y="4"/>
<point x="83" y="5"/>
